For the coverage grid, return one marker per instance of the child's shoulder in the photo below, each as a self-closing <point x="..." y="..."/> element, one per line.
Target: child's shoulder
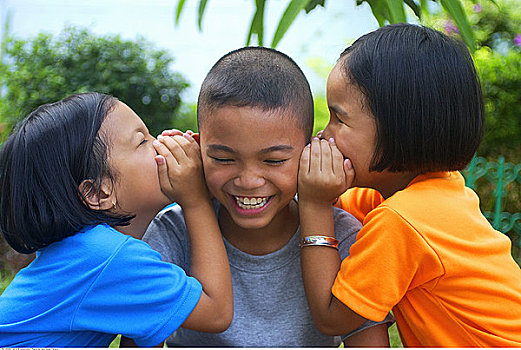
<point x="93" y="237"/>
<point x="429" y="190"/>
<point x="92" y="247"/>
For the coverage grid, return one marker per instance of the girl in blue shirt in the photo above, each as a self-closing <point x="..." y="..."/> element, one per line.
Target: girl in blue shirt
<point x="80" y="180"/>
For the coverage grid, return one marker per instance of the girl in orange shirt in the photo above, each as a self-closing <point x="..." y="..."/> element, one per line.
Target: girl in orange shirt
<point x="406" y="116"/>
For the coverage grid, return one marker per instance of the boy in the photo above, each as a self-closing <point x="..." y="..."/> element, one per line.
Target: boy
<point x="255" y="115"/>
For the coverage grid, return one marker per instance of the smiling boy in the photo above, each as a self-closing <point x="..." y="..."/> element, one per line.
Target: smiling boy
<point x="255" y="116"/>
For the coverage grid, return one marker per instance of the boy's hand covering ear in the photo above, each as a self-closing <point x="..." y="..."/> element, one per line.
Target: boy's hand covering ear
<point x="323" y="173"/>
<point x="180" y="169"/>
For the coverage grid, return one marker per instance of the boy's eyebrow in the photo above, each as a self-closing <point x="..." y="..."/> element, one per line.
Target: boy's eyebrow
<point x="277" y="148"/>
<point x="217" y="147"/>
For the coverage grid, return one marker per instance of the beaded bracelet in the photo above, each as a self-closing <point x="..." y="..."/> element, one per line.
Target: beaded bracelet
<point x="324" y="241"/>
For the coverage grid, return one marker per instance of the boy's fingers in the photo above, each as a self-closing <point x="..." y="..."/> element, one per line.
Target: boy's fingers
<point x="162" y="171"/>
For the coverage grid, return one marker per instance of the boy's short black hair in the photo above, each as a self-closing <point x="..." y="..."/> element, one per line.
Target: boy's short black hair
<point x="261" y="78"/>
<point x="42" y="164"/>
<point x="422" y="88"/>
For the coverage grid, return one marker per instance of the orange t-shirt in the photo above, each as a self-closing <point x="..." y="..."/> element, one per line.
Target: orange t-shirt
<point x="429" y="254"/>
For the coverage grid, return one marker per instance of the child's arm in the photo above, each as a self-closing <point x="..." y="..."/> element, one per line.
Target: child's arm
<point x="181" y="179"/>
<point x="373" y="337"/>
<point x="323" y="176"/>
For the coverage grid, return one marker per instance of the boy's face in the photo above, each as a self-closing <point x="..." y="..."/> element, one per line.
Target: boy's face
<point x="250" y="159"/>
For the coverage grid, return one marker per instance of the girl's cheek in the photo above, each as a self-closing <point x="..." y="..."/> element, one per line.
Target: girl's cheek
<point x="342" y="148"/>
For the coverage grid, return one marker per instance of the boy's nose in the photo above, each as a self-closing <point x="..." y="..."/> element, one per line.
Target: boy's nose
<point x="249" y="180"/>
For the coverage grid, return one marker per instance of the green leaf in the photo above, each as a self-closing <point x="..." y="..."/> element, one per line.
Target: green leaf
<point x="314" y="3"/>
<point x="414" y="7"/>
<point x="257" y="23"/>
<point x="379" y="10"/>
<point x="456" y="11"/>
<point x="180" y="5"/>
<point x="424" y="8"/>
<point x="293" y="9"/>
<point x="200" y="13"/>
<point x="396" y="11"/>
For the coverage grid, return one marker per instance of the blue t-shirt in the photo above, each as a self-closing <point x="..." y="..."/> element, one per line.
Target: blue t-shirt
<point x="85" y="289"/>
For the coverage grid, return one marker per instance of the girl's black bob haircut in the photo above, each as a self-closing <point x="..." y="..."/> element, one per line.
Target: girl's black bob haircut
<point x="422" y="89"/>
<point x="43" y="163"/>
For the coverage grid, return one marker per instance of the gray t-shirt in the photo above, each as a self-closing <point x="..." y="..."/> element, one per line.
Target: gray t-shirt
<point x="270" y="306"/>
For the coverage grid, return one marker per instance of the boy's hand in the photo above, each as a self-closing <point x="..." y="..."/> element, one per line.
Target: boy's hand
<point x="323" y="173"/>
<point x="180" y="169"/>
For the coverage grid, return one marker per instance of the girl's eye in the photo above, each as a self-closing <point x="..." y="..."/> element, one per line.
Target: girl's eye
<point x="275" y="162"/>
<point x="143" y="142"/>
<point x="333" y="116"/>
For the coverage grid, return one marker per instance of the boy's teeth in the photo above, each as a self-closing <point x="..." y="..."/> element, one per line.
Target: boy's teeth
<point x="251" y="203"/>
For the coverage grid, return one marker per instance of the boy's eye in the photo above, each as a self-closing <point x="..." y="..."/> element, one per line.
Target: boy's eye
<point x="275" y="161"/>
<point x="143" y="142"/>
<point x="222" y="160"/>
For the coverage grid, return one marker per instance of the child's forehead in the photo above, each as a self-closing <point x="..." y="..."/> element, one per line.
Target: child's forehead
<point x="247" y="125"/>
<point x="254" y="116"/>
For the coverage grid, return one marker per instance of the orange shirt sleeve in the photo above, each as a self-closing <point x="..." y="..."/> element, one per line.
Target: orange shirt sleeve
<point x="359" y="201"/>
<point x="388" y="259"/>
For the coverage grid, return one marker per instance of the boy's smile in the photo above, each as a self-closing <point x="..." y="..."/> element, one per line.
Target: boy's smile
<point x="250" y="158"/>
<point x="251" y="205"/>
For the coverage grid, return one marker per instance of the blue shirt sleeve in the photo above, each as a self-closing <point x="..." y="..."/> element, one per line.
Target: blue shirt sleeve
<point x="139" y="296"/>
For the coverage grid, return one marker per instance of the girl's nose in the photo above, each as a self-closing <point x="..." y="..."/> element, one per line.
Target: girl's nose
<point x="326" y="133"/>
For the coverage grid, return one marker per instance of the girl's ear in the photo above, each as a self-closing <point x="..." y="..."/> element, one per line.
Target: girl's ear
<point x="104" y="199"/>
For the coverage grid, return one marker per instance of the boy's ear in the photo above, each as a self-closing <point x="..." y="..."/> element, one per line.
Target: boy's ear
<point x="103" y="199"/>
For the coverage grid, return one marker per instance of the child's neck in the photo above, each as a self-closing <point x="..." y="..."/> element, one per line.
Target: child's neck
<point x="395" y="182"/>
<point x="136" y="228"/>
<point x="264" y="240"/>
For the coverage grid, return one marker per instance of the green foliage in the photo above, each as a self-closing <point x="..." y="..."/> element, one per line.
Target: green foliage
<point x="496" y="25"/>
<point x="321" y="113"/>
<point x="187" y="117"/>
<point x="498" y="61"/>
<point x="385" y="11"/>
<point x="5" y="279"/>
<point x="394" y="337"/>
<point x="501" y="82"/>
<point x="46" y="68"/>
